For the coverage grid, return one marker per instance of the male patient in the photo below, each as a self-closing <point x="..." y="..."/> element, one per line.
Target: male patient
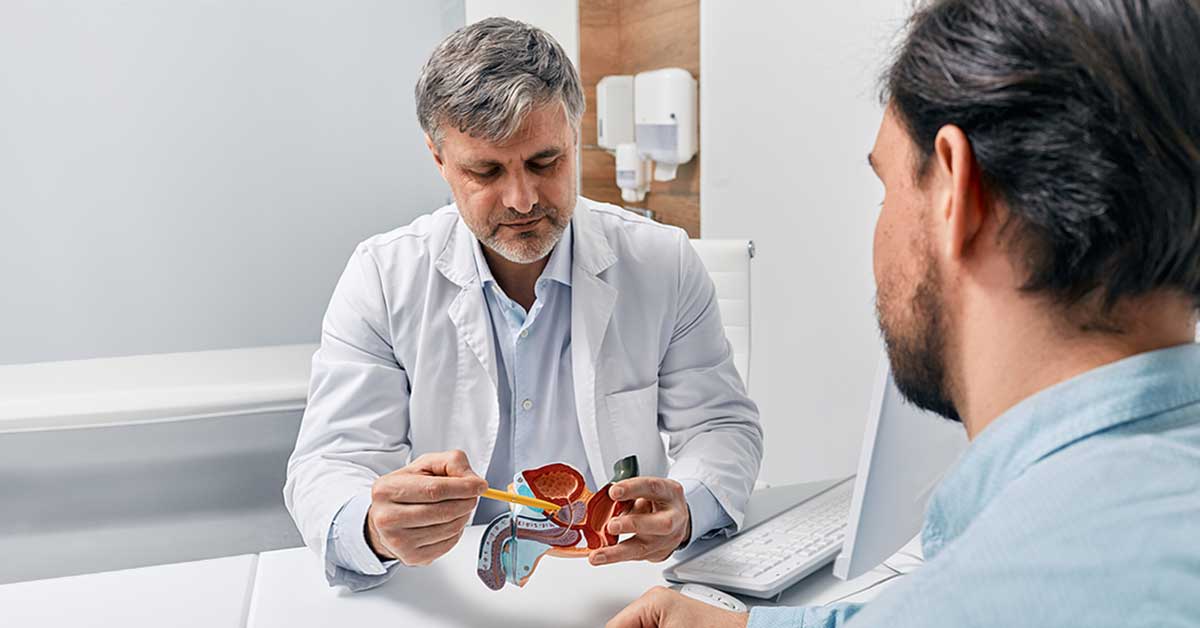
<point x="1038" y="264"/>
<point x="518" y="327"/>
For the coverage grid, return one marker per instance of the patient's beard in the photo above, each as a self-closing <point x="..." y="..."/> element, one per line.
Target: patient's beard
<point x="918" y="354"/>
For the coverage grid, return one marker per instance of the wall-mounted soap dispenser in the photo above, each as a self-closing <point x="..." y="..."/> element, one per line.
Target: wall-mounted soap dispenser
<point x="614" y="111"/>
<point x="665" y="119"/>
<point x="614" y="133"/>
<point x="633" y="173"/>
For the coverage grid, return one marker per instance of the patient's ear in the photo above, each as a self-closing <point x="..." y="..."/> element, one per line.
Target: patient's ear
<point x="959" y="208"/>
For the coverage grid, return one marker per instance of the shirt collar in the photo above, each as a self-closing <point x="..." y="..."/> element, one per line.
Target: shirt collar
<point x="558" y="267"/>
<point x="1125" y="391"/>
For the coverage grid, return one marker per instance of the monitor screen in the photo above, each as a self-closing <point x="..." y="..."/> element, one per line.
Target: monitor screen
<point x="905" y="453"/>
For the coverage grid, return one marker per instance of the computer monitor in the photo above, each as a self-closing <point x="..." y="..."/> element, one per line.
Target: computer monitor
<point x="905" y="453"/>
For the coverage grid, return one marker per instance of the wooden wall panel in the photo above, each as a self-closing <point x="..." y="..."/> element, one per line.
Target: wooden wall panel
<point x="599" y="54"/>
<point x="660" y="33"/>
<point x="627" y="37"/>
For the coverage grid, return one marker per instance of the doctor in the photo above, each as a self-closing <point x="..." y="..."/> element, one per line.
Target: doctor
<point x="520" y="326"/>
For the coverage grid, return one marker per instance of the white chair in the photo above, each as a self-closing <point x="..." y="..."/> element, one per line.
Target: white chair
<point x="728" y="263"/>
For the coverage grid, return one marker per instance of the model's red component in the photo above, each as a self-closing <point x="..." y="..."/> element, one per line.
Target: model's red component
<point x="561" y="484"/>
<point x="557" y="482"/>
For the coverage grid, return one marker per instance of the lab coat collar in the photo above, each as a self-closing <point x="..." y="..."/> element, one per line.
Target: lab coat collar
<point x="591" y="251"/>
<point x="456" y="261"/>
<point x="558" y="267"/>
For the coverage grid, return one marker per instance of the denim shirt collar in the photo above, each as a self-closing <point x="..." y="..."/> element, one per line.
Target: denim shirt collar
<point x="1132" y="389"/>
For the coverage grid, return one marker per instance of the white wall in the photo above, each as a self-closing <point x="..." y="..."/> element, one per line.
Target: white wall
<point x="560" y="18"/>
<point x="789" y="113"/>
<point x="179" y="176"/>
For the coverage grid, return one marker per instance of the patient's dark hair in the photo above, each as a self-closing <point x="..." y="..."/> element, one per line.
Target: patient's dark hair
<point x="1084" y="118"/>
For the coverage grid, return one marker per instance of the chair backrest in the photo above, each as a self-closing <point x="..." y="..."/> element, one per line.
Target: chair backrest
<point x="728" y="263"/>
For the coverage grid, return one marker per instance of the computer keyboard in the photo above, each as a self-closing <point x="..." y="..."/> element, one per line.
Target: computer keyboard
<point x="772" y="556"/>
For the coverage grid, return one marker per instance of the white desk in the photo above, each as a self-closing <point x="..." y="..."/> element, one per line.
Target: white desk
<point x="201" y="594"/>
<point x="286" y="588"/>
<point x="290" y="592"/>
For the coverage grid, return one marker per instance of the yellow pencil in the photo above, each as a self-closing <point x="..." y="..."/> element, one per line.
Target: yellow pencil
<point x="513" y="498"/>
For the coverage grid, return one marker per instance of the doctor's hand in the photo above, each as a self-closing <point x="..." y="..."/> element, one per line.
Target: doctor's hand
<point x="663" y="608"/>
<point x="659" y="521"/>
<point x="418" y="513"/>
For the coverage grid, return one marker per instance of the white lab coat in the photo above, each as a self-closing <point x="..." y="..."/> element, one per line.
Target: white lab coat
<point x="407" y="364"/>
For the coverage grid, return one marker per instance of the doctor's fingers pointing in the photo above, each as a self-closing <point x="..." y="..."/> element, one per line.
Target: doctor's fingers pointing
<point x="442" y="463"/>
<point x="404" y="488"/>
<point x="422" y="556"/>
<point x="430" y="535"/>
<point x="392" y="515"/>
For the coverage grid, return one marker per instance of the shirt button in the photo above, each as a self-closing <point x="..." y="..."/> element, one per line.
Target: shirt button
<point x="524" y="333"/>
<point x="527" y="404"/>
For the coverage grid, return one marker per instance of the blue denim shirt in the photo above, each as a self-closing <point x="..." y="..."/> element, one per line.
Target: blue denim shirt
<point x="1080" y="506"/>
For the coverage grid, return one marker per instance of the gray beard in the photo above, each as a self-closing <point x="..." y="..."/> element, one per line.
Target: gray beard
<point x="524" y="250"/>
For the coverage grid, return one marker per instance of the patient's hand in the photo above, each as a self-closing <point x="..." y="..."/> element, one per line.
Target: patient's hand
<point x="418" y="513"/>
<point x="664" y="608"/>
<point x="659" y="520"/>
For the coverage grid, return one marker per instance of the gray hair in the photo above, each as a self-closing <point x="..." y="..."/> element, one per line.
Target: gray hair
<point x="485" y="78"/>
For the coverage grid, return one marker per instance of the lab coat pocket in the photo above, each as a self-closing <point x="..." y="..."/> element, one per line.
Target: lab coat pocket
<point x="634" y="416"/>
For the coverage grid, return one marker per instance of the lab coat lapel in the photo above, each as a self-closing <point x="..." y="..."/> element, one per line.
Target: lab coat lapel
<point x="592" y="304"/>
<point x="476" y="382"/>
<point x="468" y="312"/>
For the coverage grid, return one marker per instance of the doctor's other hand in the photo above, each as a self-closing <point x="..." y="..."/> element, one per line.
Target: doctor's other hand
<point x="659" y="521"/>
<point x="418" y="513"/>
<point x="661" y="607"/>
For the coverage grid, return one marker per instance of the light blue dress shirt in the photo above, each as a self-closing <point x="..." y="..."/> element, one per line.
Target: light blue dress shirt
<point x="537" y="416"/>
<point x="1080" y="506"/>
<point x="533" y="366"/>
